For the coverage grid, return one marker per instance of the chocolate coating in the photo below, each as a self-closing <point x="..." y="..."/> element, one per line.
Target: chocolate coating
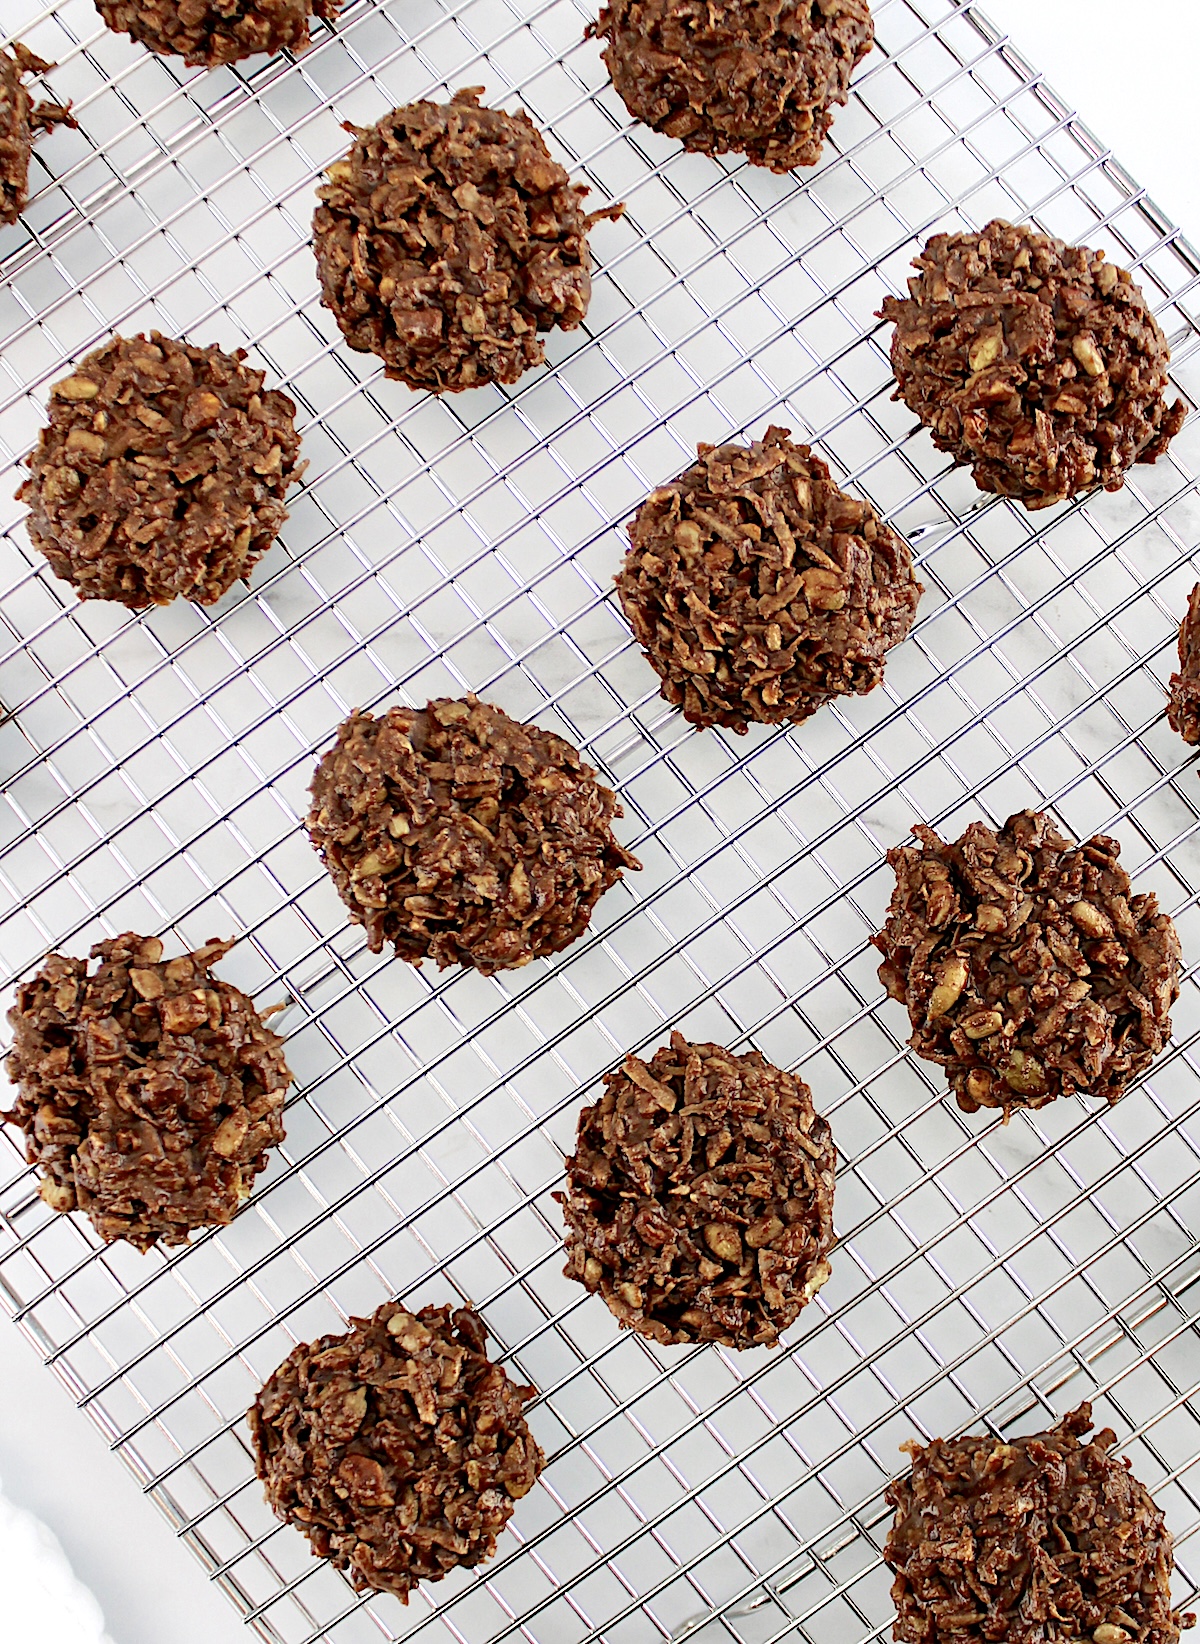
<point x="699" y="1199"/>
<point x="1035" y="362"/>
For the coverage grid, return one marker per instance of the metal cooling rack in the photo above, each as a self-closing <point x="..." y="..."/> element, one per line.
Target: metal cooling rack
<point x="155" y="766"/>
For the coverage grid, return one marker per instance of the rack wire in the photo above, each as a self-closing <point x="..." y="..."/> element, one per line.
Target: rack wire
<point x="155" y="766"/>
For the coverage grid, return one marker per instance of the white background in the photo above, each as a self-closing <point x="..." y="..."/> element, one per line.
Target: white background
<point x="1130" y="72"/>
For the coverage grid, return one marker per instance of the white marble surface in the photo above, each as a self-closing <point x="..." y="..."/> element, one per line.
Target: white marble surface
<point x="1130" y="73"/>
<point x="43" y="1597"/>
<point x="1133" y="91"/>
<point x="55" y="1465"/>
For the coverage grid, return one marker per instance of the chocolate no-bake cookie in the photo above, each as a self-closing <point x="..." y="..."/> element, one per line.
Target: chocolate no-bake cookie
<point x="162" y="472"/>
<point x="1183" y="703"/>
<point x="398" y="1448"/>
<point x="19" y="119"/>
<point x="1043" y="1540"/>
<point x="456" y="833"/>
<point x="210" y="32"/>
<point x="759" y="591"/>
<point x="447" y="239"/>
<point x="737" y="75"/>
<point x="699" y="1199"/>
<point x="1035" y="362"/>
<point x="1028" y="969"/>
<point x="148" y="1090"/>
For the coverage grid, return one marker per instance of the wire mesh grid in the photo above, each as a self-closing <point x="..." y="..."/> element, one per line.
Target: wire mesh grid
<point x="155" y="768"/>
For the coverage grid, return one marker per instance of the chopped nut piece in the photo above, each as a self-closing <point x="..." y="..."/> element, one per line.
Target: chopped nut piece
<point x="184" y="1012"/>
<point x="658" y="1187"/>
<point x="1088" y="355"/>
<point x="1012" y="1005"/>
<point x="764" y="1231"/>
<point x="441" y="1448"/>
<point x="1034" y="1542"/>
<point x="147" y="982"/>
<point x="212" y="32"/>
<point x="146" y="1132"/>
<point x="986" y="350"/>
<point x="395" y="808"/>
<point x="484" y="235"/>
<point x="76" y="388"/>
<point x="1025" y="1076"/>
<point x="804" y="610"/>
<point x="1091" y="920"/>
<point x="724" y="1242"/>
<point x="202" y="410"/>
<point x="354" y="1409"/>
<point x="818" y="1276"/>
<point x="823" y="589"/>
<point x="231" y="1133"/>
<point x="83" y="442"/>
<point x="1013" y="354"/>
<point x="163" y="506"/>
<point x="58" y="1195"/>
<point x="1106" y="278"/>
<point x="725" y="77"/>
<point x="981" y="1024"/>
<point x="952" y="979"/>
<point x="990" y="918"/>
